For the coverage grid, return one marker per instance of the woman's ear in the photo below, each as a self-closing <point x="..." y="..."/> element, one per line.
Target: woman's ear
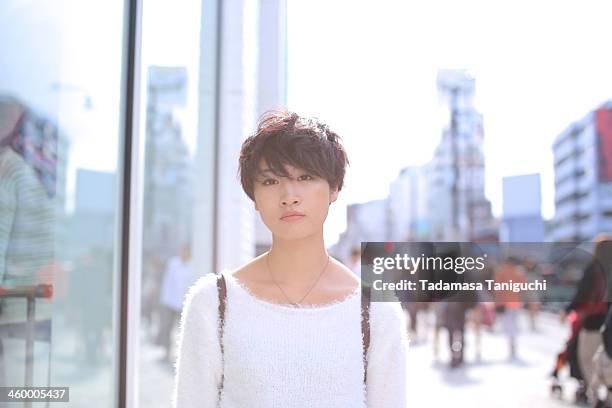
<point x="334" y="195"/>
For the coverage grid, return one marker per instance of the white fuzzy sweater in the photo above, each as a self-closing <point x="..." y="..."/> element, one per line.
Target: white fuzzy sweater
<point x="281" y="356"/>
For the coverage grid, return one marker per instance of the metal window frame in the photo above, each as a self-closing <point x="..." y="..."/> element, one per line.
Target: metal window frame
<point x="217" y="6"/>
<point x="127" y="314"/>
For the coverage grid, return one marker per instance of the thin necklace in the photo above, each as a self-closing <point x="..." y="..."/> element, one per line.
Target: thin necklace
<point x="292" y="303"/>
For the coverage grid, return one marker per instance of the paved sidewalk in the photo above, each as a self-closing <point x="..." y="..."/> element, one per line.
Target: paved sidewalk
<point x="495" y="380"/>
<point x="156" y="377"/>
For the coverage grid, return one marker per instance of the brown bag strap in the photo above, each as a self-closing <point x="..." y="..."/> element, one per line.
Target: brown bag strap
<point x="222" y="292"/>
<point x="365" y="328"/>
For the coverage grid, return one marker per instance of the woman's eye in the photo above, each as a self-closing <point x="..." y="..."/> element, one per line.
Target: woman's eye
<point x="268" y="182"/>
<point x="306" y="177"/>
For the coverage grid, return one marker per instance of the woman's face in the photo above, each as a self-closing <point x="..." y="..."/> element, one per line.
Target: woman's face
<point x="292" y="207"/>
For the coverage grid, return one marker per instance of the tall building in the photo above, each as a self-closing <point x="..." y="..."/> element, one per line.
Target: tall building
<point x="408" y="205"/>
<point x="456" y="198"/>
<point x="583" y="177"/>
<point x="522" y="209"/>
<point x="168" y="166"/>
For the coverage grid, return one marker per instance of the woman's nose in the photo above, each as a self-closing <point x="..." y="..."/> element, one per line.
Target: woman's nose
<point x="290" y="196"/>
<point x="290" y="201"/>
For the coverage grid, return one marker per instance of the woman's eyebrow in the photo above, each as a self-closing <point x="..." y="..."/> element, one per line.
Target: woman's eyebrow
<point x="265" y="173"/>
<point x="270" y="173"/>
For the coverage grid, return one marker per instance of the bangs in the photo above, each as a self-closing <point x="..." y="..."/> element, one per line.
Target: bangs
<point x="278" y="153"/>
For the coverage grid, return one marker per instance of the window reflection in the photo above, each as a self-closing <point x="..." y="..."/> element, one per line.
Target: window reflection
<point x="60" y="93"/>
<point x="28" y="168"/>
<point x="167" y="228"/>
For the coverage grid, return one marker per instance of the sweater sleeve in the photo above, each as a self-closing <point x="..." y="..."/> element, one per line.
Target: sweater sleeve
<point x="387" y="356"/>
<point x="198" y="365"/>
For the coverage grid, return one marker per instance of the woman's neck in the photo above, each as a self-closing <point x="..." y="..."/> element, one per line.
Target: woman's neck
<point x="297" y="262"/>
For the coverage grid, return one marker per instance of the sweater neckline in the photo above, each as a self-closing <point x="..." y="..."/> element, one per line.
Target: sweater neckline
<point x="283" y="306"/>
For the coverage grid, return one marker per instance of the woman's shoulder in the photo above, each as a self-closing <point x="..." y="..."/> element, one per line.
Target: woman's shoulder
<point x="204" y="284"/>
<point x="388" y="325"/>
<point x="387" y="313"/>
<point x="202" y="295"/>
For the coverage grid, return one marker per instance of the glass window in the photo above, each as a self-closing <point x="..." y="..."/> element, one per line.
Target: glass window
<point x="60" y="137"/>
<point x="178" y="74"/>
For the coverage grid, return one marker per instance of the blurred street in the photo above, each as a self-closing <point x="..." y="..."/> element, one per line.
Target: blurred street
<point x="494" y="381"/>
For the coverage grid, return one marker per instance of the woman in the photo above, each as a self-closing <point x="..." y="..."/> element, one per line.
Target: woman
<point x="292" y="332"/>
<point x="591" y="303"/>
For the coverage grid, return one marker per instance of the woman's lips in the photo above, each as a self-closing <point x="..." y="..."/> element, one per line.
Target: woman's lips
<point x="292" y="217"/>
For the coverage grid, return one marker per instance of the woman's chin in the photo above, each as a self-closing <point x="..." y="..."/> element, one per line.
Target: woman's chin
<point x="294" y="235"/>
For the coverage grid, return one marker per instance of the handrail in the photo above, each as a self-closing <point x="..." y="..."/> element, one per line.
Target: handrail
<point x="29" y="291"/>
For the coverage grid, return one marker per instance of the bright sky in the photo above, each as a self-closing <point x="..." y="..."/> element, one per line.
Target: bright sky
<point x="368" y="69"/>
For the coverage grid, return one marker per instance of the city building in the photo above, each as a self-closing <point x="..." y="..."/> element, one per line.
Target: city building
<point x="522" y="209"/>
<point x="168" y="183"/>
<point x="583" y="177"/>
<point x="365" y="222"/>
<point x="458" y="209"/>
<point x="408" y="205"/>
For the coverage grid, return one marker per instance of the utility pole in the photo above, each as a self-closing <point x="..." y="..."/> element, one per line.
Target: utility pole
<point x="454" y="94"/>
<point x="456" y="85"/>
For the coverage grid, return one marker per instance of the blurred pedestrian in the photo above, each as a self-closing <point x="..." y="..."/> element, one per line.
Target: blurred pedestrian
<point x="455" y="307"/>
<point x="28" y="165"/>
<point x="153" y="269"/>
<point x="91" y="311"/>
<point x="413" y="308"/>
<point x="509" y="302"/>
<point x="453" y="317"/>
<point x="483" y="315"/>
<point x="602" y="366"/>
<point x="591" y="303"/>
<point x="177" y="279"/>
<point x="532" y="299"/>
<point x="438" y="311"/>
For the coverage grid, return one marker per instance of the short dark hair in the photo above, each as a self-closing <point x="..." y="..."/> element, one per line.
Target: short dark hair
<point x="286" y="138"/>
